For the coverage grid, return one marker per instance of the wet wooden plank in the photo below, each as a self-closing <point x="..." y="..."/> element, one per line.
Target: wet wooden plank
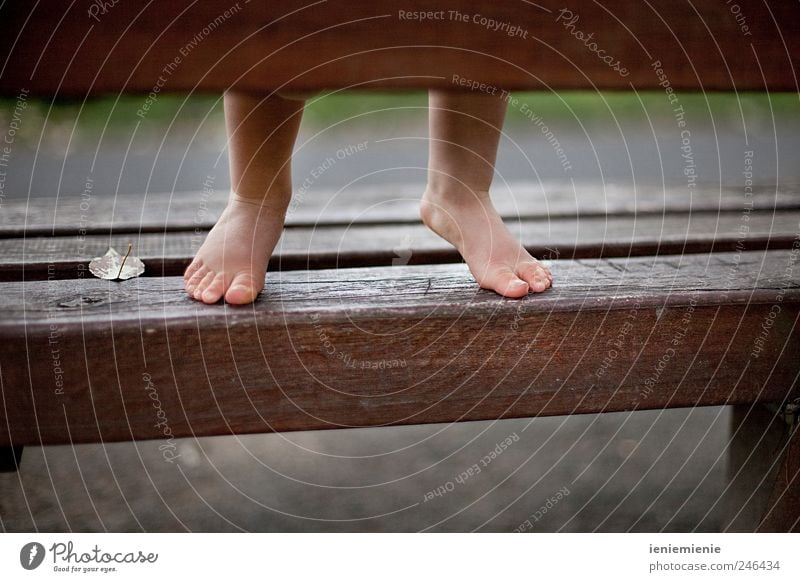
<point x="210" y="46"/>
<point x="95" y="360"/>
<point x="92" y="212"/>
<point x="361" y="245"/>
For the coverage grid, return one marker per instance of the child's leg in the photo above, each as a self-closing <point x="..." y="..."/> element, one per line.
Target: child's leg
<point x="464" y="134"/>
<point x="233" y="259"/>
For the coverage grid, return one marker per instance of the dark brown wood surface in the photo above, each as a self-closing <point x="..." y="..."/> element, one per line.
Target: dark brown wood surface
<point x="400" y="345"/>
<point x="360" y="245"/>
<point x="101" y="213"/>
<point x="212" y="45"/>
<point x="89" y="360"/>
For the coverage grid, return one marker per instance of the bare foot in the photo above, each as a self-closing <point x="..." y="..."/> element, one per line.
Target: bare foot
<point x="232" y="262"/>
<point x="495" y="258"/>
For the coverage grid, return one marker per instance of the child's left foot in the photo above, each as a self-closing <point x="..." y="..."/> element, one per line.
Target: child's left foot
<point x="497" y="261"/>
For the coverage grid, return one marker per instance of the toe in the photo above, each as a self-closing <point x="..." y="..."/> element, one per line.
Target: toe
<point x="193" y="281"/>
<point x="534" y="275"/>
<point x="244" y="289"/>
<point x="203" y="284"/>
<point x="548" y="279"/>
<point x="542" y="276"/>
<point x="195" y="265"/>
<point x="215" y="289"/>
<point x="506" y="283"/>
<point x="528" y="273"/>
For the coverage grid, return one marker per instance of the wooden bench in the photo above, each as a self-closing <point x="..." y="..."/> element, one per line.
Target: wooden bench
<point x="662" y="298"/>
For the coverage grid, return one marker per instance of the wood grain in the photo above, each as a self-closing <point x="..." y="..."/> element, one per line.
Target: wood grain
<point x="363" y="245"/>
<point x="101" y="213"/>
<point x="217" y="44"/>
<point x="385" y="346"/>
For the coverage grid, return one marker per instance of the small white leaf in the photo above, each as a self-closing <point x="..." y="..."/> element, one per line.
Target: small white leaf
<point x="115" y="266"/>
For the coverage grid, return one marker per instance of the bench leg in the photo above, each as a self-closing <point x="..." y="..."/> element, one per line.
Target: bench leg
<point x="10" y="458"/>
<point x="783" y="510"/>
<point x="757" y="436"/>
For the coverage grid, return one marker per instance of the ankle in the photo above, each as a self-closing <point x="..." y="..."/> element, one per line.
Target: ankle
<point x="440" y="214"/>
<point x="270" y="204"/>
<point x="460" y="194"/>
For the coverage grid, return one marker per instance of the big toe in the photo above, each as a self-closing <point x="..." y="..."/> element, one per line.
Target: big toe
<point x="244" y="289"/>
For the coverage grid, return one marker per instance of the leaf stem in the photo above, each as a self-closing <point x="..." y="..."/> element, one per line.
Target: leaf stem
<point x="125" y="258"/>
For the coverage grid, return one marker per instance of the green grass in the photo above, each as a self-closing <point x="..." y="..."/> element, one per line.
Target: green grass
<point x="119" y="116"/>
<point x="588" y="106"/>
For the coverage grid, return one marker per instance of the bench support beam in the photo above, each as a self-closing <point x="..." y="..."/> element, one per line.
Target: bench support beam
<point x="10" y="459"/>
<point x="783" y="509"/>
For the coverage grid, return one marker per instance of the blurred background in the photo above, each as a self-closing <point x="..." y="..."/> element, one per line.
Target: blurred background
<point x="617" y="137"/>
<point x="644" y="471"/>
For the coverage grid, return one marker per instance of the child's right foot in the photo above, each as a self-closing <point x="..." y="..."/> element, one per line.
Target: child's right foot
<point x="497" y="261"/>
<point x="232" y="262"/>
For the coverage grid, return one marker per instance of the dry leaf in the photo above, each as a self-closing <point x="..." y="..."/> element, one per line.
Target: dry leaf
<point x="114" y="266"/>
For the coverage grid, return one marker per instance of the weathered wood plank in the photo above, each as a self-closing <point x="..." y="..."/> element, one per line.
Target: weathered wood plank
<point x="95" y="360"/>
<point x="359" y="245"/>
<point x="98" y="213"/>
<point x="216" y="44"/>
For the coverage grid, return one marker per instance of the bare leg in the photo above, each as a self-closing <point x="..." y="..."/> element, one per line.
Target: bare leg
<point x="232" y="262"/>
<point x="464" y="135"/>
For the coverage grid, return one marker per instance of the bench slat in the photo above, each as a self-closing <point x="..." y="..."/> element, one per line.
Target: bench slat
<point x="399" y="345"/>
<point x="98" y="213"/>
<point x="216" y="44"/>
<point x="397" y="244"/>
